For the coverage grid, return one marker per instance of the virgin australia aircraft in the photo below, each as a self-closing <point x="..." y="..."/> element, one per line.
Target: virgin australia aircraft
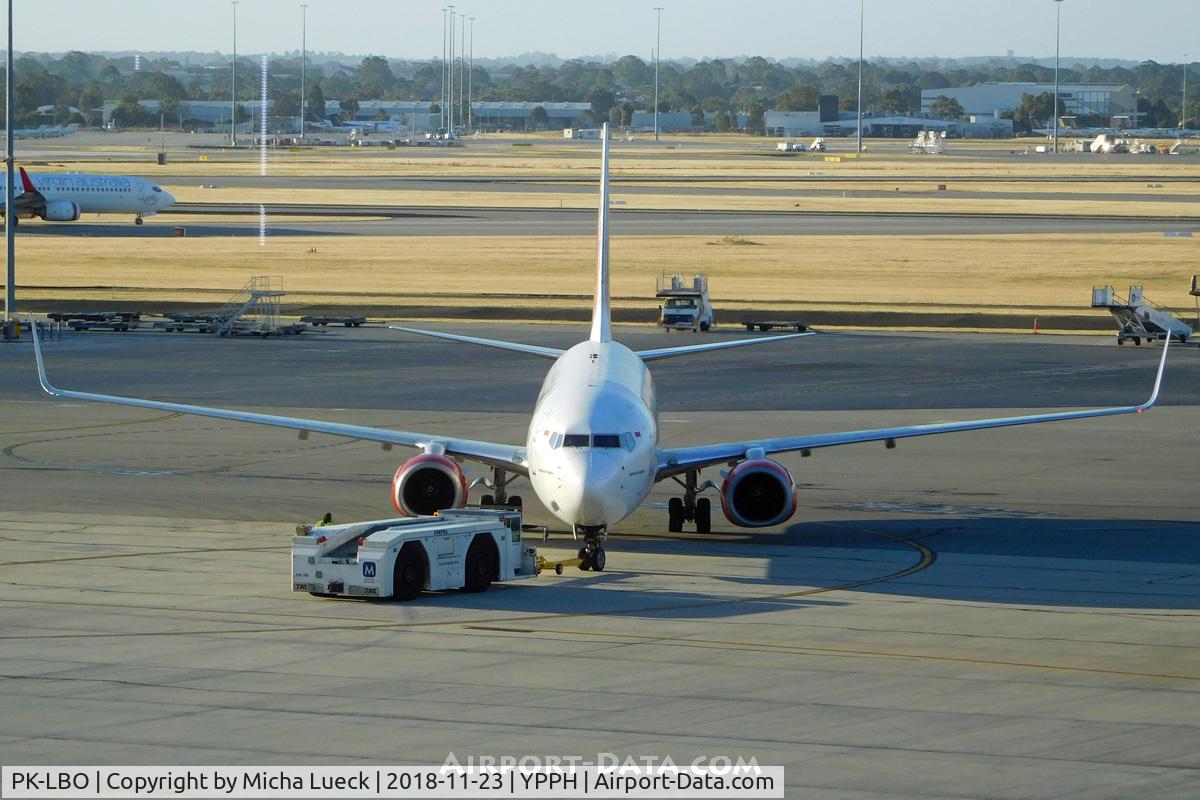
<point x="592" y="451"/>
<point x="65" y="197"/>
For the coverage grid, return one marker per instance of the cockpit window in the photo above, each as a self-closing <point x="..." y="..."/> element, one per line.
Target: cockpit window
<point x="157" y="188"/>
<point x="606" y="440"/>
<point x="576" y="440"/>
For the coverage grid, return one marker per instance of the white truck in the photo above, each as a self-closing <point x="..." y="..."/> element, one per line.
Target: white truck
<point x="684" y="307"/>
<point x="462" y="548"/>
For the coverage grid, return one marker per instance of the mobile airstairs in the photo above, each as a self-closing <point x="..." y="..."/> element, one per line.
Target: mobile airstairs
<point x="1138" y="318"/>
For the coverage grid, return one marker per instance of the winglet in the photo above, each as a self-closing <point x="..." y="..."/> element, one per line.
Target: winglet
<point x="25" y="181"/>
<point x="601" y="309"/>
<point x="1162" y="366"/>
<point x="41" y="366"/>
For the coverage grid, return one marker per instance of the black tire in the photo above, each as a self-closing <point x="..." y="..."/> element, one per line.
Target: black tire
<point x="598" y="559"/>
<point x="703" y="515"/>
<point x="1120" y="341"/>
<point x="558" y="570"/>
<point x="749" y="328"/>
<point x="585" y="562"/>
<point x="487" y="500"/>
<point x="408" y="578"/>
<point x="764" y="328"/>
<point x="482" y="565"/>
<point x="675" y="515"/>
<point x="704" y="326"/>
<point x="515" y="501"/>
<point x="1137" y="341"/>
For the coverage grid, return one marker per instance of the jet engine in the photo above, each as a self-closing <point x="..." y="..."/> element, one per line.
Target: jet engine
<point x="61" y="211"/>
<point x="428" y="483"/>
<point x="758" y="493"/>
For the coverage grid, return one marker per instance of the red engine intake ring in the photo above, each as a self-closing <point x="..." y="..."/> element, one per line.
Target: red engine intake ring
<point x="443" y="464"/>
<point x="747" y="469"/>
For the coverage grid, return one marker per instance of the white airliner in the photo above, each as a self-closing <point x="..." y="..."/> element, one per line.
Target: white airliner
<point x="65" y="197"/>
<point x="592" y="452"/>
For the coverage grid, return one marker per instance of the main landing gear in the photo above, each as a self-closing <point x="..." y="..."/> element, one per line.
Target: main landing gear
<point x="690" y="508"/>
<point x="138" y="220"/>
<point x="499" y="484"/>
<point x="591" y="555"/>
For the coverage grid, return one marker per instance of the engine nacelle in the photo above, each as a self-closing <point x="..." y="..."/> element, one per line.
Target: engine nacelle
<point x="61" y="211"/>
<point x="428" y="483"/>
<point x="758" y="493"/>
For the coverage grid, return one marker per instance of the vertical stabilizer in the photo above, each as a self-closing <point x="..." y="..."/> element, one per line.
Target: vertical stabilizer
<point x="601" y="311"/>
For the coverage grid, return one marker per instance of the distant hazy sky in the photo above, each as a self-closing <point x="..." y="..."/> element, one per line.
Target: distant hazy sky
<point x="695" y="28"/>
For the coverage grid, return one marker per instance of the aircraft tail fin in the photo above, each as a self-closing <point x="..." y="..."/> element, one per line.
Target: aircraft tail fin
<point x="26" y="183"/>
<point x="601" y="308"/>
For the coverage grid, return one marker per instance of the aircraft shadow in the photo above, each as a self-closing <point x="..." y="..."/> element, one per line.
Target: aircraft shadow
<point x="130" y="231"/>
<point x="1089" y="563"/>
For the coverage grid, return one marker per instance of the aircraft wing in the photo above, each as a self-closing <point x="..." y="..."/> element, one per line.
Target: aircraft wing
<point x="688" y="349"/>
<point x="674" y="461"/>
<point x="510" y="457"/>
<point x="530" y="349"/>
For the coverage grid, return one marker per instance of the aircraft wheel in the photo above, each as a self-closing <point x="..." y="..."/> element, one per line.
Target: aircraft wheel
<point x="704" y="326"/>
<point x="675" y="515"/>
<point x="585" y="560"/>
<point x="1137" y="341"/>
<point x="703" y="515"/>
<point x="598" y="559"/>
<point x="138" y="221"/>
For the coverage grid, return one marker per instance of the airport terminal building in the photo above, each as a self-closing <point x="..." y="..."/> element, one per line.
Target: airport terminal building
<point x="1079" y="99"/>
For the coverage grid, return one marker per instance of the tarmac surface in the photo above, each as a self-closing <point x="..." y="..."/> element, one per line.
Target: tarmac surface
<point x="1010" y="613"/>
<point x="456" y="221"/>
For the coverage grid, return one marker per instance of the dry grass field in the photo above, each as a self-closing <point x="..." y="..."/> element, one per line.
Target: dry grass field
<point x="1001" y="273"/>
<point x="1028" y="272"/>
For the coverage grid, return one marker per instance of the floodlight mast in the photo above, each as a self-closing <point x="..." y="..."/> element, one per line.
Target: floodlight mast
<point x="657" y="57"/>
<point x="10" y="220"/>
<point x="233" y="84"/>
<point x="1057" y="39"/>
<point x="861" y="12"/>
<point x="303" y="59"/>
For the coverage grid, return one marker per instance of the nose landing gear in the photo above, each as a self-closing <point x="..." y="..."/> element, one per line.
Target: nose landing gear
<point x="591" y="555"/>
<point x="690" y="508"/>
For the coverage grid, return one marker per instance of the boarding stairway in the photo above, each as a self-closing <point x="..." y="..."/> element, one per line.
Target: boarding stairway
<point x="254" y="309"/>
<point x="1139" y="318"/>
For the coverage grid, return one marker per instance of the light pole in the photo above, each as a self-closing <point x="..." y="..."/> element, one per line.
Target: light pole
<point x="442" y="104"/>
<point x="657" y="57"/>
<point x="462" y="65"/>
<point x="1183" y="111"/>
<point x="450" y="84"/>
<point x="10" y="220"/>
<point x="861" y="19"/>
<point x="233" y="84"/>
<point x="471" y="79"/>
<point x="303" y="59"/>
<point x="1057" y="38"/>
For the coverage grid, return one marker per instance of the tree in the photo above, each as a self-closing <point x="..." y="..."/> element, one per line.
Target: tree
<point x="722" y="121"/>
<point x="900" y="99"/>
<point x="944" y="107"/>
<point x="315" y="103"/>
<point x="374" y="78"/>
<point x="349" y="107"/>
<point x="538" y="116"/>
<point x="800" y="97"/>
<point x="285" y="104"/>
<point x="91" y="102"/>
<point x="614" y="117"/>
<point x="601" y="100"/>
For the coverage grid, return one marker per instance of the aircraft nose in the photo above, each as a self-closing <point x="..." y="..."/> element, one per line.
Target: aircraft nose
<point x="588" y="496"/>
<point x="168" y="198"/>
